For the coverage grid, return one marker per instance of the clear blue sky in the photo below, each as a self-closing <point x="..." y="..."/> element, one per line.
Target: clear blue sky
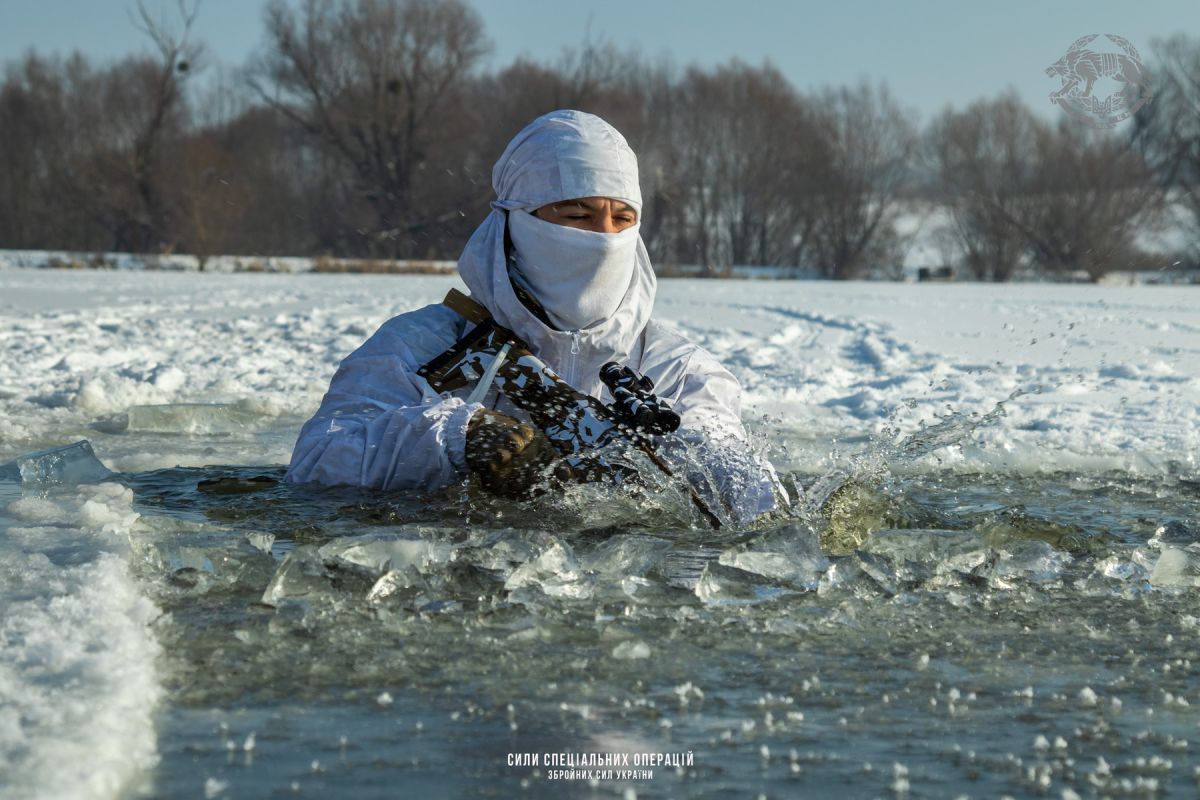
<point x="931" y="52"/>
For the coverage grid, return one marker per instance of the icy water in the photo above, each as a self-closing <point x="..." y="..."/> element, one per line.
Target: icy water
<point x="913" y="633"/>
<point x="975" y="596"/>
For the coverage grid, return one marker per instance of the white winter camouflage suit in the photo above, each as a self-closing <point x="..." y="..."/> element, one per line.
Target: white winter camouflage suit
<point x="381" y="425"/>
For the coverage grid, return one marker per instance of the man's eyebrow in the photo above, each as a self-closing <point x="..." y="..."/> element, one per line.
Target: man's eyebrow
<point x="596" y="205"/>
<point x="592" y="205"/>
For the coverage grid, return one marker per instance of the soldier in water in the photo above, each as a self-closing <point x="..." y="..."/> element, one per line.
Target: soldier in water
<point x="560" y="263"/>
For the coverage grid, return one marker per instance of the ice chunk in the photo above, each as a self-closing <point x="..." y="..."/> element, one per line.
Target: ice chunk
<point x="171" y="557"/>
<point x="888" y="576"/>
<point x="904" y="559"/>
<point x="840" y="575"/>
<point x="631" y="650"/>
<point x="1119" y="569"/>
<point x="239" y="564"/>
<point x="1029" y="559"/>
<point x="899" y="559"/>
<point x="261" y="541"/>
<point x="301" y="576"/>
<point x="376" y="554"/>
<point x="555" y="571"/>
<point x="1176" y="567"/>
<point x="395" y="583"/>
<point x="468" y="580"/>
<point x="189" y="418"/>
<point x="75" y="463"/>
<point x="926" y="545"/>
<point x="626" y="555"/>
<point x="791" y="554"/>
<point x="499" y="551"/>
<point x="721" y="585"/>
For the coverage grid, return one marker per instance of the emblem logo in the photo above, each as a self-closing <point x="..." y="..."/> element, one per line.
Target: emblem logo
<point x="1083" y="66"/>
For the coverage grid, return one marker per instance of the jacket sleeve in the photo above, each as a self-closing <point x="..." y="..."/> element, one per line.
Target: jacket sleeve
<point x="380" y="425"/>
<point x="712" y="448"/>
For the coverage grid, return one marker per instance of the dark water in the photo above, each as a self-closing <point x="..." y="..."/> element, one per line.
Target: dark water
<point x="930" y="634"/>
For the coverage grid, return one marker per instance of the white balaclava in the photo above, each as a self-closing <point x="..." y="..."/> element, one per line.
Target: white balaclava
<point x="579" y="276"/>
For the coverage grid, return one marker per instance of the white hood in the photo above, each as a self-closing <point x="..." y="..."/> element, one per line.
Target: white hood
<point x="561" y="156"/>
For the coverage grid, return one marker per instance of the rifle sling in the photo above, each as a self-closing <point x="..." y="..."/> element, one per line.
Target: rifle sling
<point x="465" y="307"/>
<point x="439" y="370"/>
<point x="436" y="372"/>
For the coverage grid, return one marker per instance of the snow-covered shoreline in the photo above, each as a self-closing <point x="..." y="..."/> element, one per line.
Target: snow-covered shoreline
<point x="922" y="255"/>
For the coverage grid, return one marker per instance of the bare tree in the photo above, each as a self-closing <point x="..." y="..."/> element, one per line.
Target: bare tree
<point x="1167" y="129"/>
<point x="91" y="145"/>
<point x="51" y="118"/>
<point x="144" y="99"/>
<point x="869" y="142"/>
<point x="1089" y="197"/>
<point x="381" y="85"/>
<point x="983" y="160"/>
<point x="35" y="106"/>
<point x="732" y="174"/>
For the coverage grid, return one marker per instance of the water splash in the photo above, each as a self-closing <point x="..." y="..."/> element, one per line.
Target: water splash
<point x="847" y="501"/>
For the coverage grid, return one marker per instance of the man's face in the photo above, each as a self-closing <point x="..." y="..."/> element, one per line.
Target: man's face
<point x="598" y="214"/>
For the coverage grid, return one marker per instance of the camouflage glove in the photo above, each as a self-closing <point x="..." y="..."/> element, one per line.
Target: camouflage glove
<point x="511" y="458"/>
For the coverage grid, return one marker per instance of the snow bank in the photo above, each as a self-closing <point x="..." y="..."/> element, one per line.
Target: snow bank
<point x="78" y="685"/>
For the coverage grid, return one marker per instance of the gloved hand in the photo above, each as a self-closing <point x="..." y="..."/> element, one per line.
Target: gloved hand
<point x="509" y="456"/>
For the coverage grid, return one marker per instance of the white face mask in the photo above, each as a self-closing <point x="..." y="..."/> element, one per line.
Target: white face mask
<point x="579" y="277"/>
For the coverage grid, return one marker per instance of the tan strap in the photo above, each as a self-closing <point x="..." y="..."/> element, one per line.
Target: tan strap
<point x="472" y="311"/>
<point x="465" y="307"/>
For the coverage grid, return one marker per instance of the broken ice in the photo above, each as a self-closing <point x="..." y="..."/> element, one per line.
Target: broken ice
<point x="376" y="554"/>
<point x="188" y="418"/>
<point x="791" y="555"/>
<point x="1176" y="567"/>
<point x="301" y="575"/>
<point x="74" y="463"/>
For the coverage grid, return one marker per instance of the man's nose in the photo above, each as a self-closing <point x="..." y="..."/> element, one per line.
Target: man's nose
<point x="605" y="224"/>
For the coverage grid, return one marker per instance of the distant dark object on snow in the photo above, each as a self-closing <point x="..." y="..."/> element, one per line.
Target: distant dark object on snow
<point x="935" y="274"/>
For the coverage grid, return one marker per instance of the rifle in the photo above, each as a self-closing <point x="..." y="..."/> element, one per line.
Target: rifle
<point x="575" y="423"/>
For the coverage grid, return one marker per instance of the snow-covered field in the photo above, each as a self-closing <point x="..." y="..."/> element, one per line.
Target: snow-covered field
<point x="1103" y="376"/>
<point x="1090" y="379"/>
<point x="1099" y="377"/>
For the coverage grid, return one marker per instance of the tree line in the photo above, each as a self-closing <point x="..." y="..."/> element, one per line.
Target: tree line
<point x="368" y="128"/>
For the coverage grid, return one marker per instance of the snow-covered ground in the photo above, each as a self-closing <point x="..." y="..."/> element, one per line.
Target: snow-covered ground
<point x="1103" y="376"/>
<point x="1099" y="377"/>
<point x="1091" y="378"/>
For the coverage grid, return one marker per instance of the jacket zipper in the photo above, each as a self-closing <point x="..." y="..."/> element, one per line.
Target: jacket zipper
<point x="573" y="380"/>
